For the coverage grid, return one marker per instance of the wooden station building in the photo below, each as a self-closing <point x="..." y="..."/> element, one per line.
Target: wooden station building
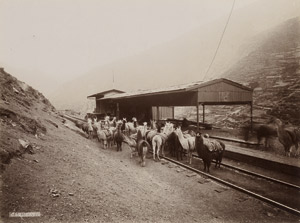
<point x="159" y="103"/>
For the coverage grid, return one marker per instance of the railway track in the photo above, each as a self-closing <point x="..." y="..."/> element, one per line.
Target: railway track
<point x="257" y="175"/>
<point x="259" y="191"/>
<point x="72" y="118"/>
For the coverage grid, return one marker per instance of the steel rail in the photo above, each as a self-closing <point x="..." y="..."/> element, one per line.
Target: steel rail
<point x="73" y="118"/>
<point x="257" y="175"/>
<point x="262" y="198"/>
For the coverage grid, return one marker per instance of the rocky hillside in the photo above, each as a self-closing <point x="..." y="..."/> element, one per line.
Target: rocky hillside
<point x="269" y="64"/>
<point x="272" y="69"/>
<point x="26" y="113"/>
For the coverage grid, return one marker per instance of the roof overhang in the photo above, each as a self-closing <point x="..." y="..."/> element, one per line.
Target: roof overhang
<point x="102" y="94"/>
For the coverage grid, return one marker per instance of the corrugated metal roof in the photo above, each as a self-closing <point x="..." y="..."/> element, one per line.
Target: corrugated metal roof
<point x="173" y="89"/>
<point x="170" y="89"/>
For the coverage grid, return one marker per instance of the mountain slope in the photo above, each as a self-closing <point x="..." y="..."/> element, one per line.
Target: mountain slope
<point x="273" y="70"/>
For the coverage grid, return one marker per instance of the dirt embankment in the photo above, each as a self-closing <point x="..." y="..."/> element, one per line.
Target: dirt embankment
<point x="24" y="111"/>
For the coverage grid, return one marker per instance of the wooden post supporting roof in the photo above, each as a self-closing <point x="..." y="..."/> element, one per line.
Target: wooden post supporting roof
<point x="251" y="116"/>
<point x="203" y="112"/>
<point x="197" y="107"/>
<point x="173" y="112"/>
<point x="118" y="111"/>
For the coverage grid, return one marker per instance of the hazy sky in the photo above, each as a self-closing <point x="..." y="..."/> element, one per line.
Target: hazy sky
<point x="58" y="40"/>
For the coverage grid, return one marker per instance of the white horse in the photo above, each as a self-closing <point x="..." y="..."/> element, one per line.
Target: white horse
<point x="159" y="140"/>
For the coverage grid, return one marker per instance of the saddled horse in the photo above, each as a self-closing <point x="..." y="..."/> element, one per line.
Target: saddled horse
<point x="159" y="140"/>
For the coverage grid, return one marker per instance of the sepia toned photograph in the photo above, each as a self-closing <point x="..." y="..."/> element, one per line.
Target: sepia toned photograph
<point x="149" y="111"/>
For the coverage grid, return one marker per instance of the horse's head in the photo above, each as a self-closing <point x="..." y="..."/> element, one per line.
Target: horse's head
<point x="134" y="119"/>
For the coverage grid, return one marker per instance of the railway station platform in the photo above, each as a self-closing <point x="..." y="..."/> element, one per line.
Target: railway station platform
<point x="287" y="165"/>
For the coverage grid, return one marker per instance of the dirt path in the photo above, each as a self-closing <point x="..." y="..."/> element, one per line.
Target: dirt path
<point x="72" y="179"/>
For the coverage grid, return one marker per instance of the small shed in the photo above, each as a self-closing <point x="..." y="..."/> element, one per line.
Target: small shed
<point x="104" y="107"/>
<point x="215" y="92"/>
